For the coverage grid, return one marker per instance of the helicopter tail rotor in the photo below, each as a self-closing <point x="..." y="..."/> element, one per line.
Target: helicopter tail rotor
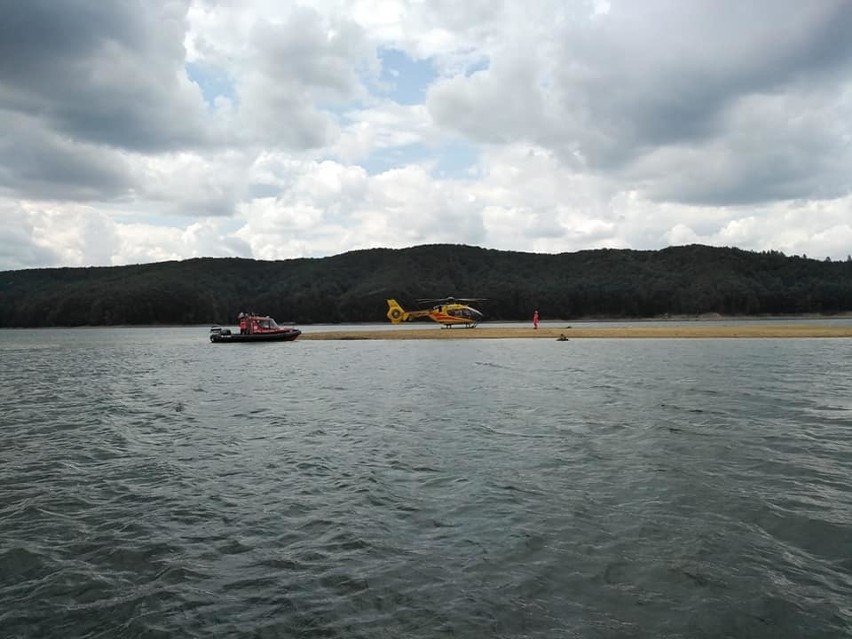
<point x="396" y="314"/>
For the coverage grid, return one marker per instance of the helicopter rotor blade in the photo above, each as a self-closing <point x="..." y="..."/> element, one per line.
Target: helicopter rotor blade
<point x="449" y="300"/>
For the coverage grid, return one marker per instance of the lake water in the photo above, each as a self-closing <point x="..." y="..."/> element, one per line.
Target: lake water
<point x="155" y="485"/>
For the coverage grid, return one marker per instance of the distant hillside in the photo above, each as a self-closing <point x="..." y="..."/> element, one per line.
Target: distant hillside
<point x="352" y="287"/>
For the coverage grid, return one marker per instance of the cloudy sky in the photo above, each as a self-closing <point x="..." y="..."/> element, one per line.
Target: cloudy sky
<point x="147" y="130"/>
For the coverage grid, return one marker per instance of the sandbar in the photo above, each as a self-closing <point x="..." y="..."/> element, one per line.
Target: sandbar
<point x="680" y="331"/>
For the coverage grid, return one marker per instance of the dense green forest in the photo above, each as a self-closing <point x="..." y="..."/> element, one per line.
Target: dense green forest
<point x="353" y="287"/>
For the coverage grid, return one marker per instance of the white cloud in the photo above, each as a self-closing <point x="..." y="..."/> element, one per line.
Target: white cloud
<point x="193" y="184"/>
<point x="72" y="235"/>
<point x="213" y="127"/>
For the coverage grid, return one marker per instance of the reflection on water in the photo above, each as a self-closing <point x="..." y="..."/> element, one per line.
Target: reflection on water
<point x="153" y="484"/>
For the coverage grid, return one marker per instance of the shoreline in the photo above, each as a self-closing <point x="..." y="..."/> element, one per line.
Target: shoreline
<point x="750" y="331"/>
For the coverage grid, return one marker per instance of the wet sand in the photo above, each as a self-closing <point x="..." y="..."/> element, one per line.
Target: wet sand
<point x="703" y="330"/>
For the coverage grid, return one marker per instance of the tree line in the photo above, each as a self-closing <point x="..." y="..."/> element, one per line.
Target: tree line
<point x="353" y="287"/>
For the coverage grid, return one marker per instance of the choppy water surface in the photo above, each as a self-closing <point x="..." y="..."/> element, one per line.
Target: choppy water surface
<point x="153" y="484"/>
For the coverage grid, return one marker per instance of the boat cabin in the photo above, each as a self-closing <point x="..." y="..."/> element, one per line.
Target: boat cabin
<point x="252" y="324"/>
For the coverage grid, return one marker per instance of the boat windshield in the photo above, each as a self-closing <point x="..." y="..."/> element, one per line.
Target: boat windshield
<point x="268" y="322"/>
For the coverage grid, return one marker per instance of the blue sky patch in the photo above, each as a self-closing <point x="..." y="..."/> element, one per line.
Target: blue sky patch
<point x="390" y="158"/>
<point x="480" y="65"/>
<point x="213" y="82"/>
<point x="451" y="161"/>
<point x="455" y="159"/>
<point x="403" y="79"/>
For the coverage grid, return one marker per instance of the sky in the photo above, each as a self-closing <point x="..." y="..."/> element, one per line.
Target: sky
<point x="140" y="131"/>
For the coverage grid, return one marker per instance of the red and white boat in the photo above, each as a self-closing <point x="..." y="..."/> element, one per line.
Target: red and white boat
<point x="255" y="328"/>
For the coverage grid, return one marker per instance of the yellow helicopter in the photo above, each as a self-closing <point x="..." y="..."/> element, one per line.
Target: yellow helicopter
<point x="449" y="311"/>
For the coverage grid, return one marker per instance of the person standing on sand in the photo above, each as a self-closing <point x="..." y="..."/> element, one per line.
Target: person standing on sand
<point x="535" y="319"/>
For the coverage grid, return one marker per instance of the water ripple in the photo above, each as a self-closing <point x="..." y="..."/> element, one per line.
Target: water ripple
<point x="153" y="485"/>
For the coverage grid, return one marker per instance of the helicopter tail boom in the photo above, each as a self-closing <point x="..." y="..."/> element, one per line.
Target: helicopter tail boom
<point x="397" y="314"/>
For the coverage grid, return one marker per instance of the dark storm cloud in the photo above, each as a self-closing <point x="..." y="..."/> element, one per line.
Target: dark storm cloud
<point x="39" y="163"/>
<point x="771" y="148"/>
<point x="37" y="35"/>
<point x="666" y="97"/>
<point x="109" y="73"/>
<point x="298" y="65"/>
<point x="665" y="73"/>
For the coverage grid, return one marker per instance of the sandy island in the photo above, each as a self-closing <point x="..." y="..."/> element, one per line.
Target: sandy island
<point x="702" y="330"/>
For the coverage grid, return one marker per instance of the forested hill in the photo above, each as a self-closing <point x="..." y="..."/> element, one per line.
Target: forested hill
<point x="353" y="287"/>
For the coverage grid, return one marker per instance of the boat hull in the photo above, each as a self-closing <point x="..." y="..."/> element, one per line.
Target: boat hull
<point x="277" y="336"/>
